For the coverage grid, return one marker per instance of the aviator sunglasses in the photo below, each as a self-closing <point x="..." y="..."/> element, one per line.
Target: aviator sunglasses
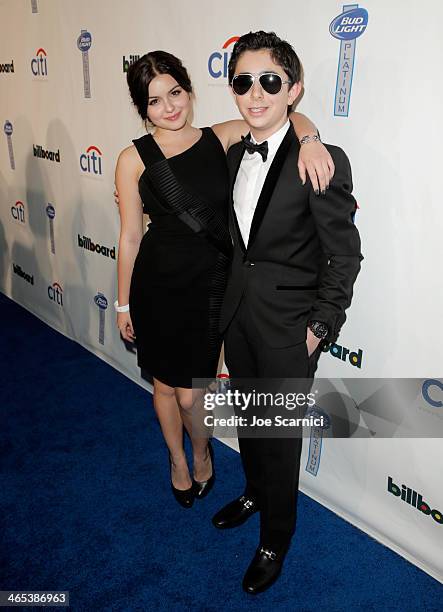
<point x="270" y="81"/>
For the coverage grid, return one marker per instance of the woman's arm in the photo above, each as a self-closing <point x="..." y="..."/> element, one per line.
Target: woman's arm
<point x="131" y="230"/>
<point x="314" y="158"/>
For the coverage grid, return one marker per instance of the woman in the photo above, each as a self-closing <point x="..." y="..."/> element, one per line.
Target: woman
<point x="171" y="279"/>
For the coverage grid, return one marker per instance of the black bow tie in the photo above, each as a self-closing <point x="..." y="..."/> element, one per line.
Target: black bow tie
<point x="252" y="147"/>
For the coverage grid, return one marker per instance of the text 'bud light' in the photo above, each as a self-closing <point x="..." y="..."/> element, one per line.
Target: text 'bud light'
<point x="350" y="24"/>
<point x="84" y="41"/>
<point x="101" y="301"/>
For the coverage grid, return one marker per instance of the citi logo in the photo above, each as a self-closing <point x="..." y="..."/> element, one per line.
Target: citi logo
<point x="414" y="499"/>
<point x="39" y="64"/>
<point x="39" y="151"/>
<point x="7" y="67"/>
<point x="218" y="61"/>
<point x="18" y="212"/>
<point x="355" y="358"/>
<point x="86" y="243"/>
<point x="91" y="161"/>
<point x="55" y="293"/>
<point x="432" y="390"/>
<point x="128" y="62"/>
<point x="29" y="278"/>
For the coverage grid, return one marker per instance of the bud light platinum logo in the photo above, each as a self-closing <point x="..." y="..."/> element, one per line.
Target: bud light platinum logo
<point x="102" y="303"/>
<point x="316" y="439"/>
<point x="39" y="64"/>
<point x="18" y="212"/>
<point x="34" y="6"/>
<point x="218" y="61"/>
<point x="50" y="211"/>
<point x="91" y="161"/>
<point x="432" y="391"/>
<point x="347" y="27"/>
<point x="55" y="293"/>
<point x="84" y="42"/>
<point x="8" y="129"/>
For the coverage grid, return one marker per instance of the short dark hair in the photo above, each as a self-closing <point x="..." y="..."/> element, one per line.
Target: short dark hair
<point x="281" y="51"/>
<point x="150" y="65"/>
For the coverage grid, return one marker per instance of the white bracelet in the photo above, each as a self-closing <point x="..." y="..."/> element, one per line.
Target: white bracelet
<point x="118" y="308"/>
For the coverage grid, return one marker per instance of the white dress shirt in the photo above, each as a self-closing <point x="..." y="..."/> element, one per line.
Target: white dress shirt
<point x="250" y="180"/>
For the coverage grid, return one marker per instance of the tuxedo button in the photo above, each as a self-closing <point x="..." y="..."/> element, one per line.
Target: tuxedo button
<point x="249" y="264"/>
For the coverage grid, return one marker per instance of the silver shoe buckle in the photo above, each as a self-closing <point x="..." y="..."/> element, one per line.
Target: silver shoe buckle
<point x="271" y="555"/>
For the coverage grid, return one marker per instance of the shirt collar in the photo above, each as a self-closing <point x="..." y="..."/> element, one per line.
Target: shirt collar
<point x="275" y="140"/>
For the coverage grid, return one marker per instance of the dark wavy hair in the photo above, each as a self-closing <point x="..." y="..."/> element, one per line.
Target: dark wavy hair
<point x="281" y="51"/>
<point x="146" y="68"/>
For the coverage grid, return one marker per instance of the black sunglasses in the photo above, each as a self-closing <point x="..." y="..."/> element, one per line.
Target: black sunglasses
<point x="270" y="81"/>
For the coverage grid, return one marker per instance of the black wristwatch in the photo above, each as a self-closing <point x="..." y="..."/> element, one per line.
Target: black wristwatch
<point x="319" y="329"/>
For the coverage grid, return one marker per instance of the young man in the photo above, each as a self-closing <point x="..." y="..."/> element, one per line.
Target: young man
<point x="296" y="258"/>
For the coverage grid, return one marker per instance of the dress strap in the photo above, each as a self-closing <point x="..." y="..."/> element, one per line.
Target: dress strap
<point x="148" y="150"/>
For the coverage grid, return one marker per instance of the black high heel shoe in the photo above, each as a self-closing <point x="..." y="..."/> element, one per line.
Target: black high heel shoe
<point x="184" y="497"/>
<point x="202" y="488"/>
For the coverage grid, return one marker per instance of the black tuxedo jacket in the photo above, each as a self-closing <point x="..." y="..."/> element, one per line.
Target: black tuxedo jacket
<point x="303" y="254"/>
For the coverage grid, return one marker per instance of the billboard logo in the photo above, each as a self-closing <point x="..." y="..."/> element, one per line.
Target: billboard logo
<point x="84" y="42"/>
<point x="91" y="161"/>
<point x="414" y="499"/>
<point x="55" y="293"/>
<point x="8" y="129"/>
<point x="340" y="352"/>
<point x="39" y="151"/>
<point x="39" y="64"/>
<point x="50" y="212"/>
<point x="102" y="303"/>
<point x="18" y="212"/>
<point x="432" y="391"/>
<point x="128" y="62"/>
<point x="218" y="60"/>
<point x="7" y="67"/>
<point x="346" y="27"/>
<point x="29" y="278"/>
<point x="84" y="242"/>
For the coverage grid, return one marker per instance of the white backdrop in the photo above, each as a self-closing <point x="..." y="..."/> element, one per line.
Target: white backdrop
<point x="392" y="134"/>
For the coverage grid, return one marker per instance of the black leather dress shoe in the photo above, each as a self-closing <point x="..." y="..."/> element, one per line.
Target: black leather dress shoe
<point x="263" y="571"/>
<point x="235" y="513"/>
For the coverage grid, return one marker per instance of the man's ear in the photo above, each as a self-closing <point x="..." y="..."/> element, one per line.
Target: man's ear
<point x="294" y="92"/>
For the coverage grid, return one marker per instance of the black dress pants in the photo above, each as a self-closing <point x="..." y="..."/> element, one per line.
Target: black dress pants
<point x="271" y="465"/>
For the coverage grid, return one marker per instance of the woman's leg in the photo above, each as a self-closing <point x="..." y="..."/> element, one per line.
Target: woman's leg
<point x="169" y="416"/>
<point x="190" y="402"/>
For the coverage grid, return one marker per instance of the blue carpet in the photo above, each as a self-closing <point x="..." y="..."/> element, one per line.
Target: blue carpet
<point x="86" y="505"/>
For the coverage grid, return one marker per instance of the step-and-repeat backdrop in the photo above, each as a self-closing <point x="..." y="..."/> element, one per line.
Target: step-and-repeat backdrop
<point x="372" y="85"/>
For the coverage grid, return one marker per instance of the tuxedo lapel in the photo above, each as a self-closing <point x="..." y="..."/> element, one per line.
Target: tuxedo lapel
<point x="269" y="184"/>
<point x="235" y="155"/>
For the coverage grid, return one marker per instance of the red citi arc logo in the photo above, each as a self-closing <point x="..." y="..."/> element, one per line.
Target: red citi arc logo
<point x="218" y="61"/>
<point x="91" y="161"/>
<point x="39" y="65"/>
<point x="55" y="293"/>
<point x="18" y="211"/>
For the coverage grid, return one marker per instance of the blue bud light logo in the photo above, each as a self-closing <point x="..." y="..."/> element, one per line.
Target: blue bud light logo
<point x="84" y="41"/>
<point x="349" y="25"/>
<point x="101" y="301"/>
<point x="8" y="129"/>
<point x="102" y="304"/>
<point x="50" y="211"/>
